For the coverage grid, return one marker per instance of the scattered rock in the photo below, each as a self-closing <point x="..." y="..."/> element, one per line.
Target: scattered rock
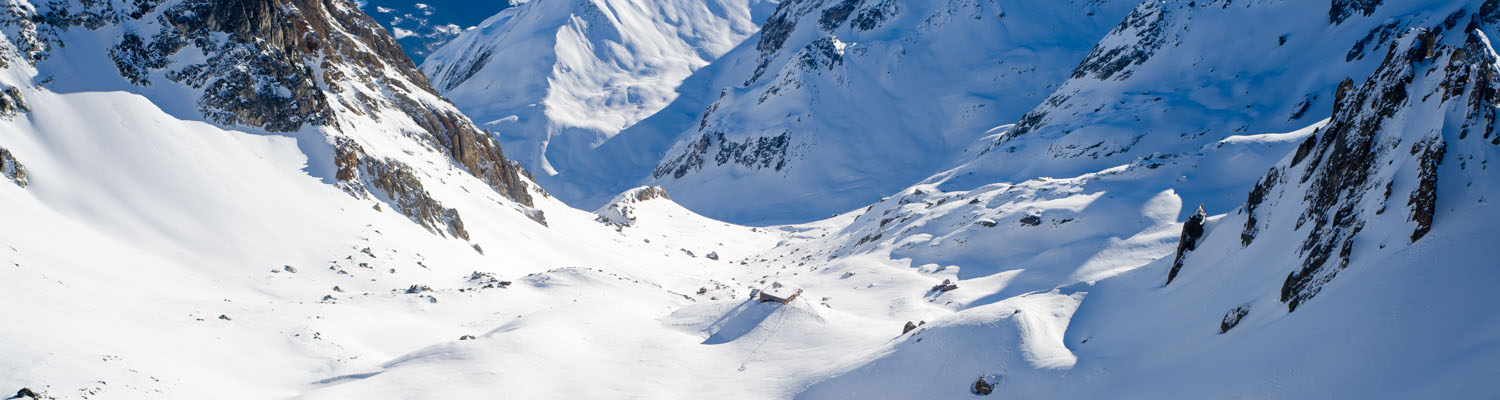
<point x="338" y="289"/>
<point x="467" y="337"/>
<point x="25" y="393"/>
<point x="908" y="328"/>
<point x="224" y="317"/>
<point x="486" y="280"/>
<point x="985" y="385"/>
<point x="289" y="268"/>
<point x="947" y="285"/>
<point x="713" y="255"/>
<point x="414" y="289"/>
<point x="1031" y="220"/>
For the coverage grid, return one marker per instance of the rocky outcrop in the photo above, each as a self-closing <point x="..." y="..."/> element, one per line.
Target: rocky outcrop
<point x="1146" y="29"/>
<point x="362" y="176"/>
<point x="652" y="192"/>
<point x="1256" y="198"/>
<point x="620" y="211"/>
<point x="1191" y="231"/>
<point x="12" y="102"/>
<point x="1232" y="318"/>
<point x="1353" y="167"/>
<point x="984" y="385"/>
<point x="755" y="153"/>
<point x="12" y="170"/>
<point x="944" y="287"/>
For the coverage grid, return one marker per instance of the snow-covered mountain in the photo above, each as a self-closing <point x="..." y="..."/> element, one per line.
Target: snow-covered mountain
<point x="264" y="198"/>
<point x="558" y="77"/>
<point x="837" y="103"/>
<point x="1348" y="250"/>
<point x="797" y="115"/>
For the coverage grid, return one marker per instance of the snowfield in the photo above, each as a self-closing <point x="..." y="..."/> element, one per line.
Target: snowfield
<point x="153" y="249"/>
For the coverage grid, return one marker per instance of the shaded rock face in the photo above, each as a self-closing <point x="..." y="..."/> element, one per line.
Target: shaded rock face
<point x="358" y="173"/>
<point x="1341" y="10"/>
<point x="755" y="153"/>
<point x="1191" y="231"/>
<point x="1347" y="177"/>
<point x="1256" y="199"/>
<point x="1147" y="24"/>
<point x="12" y="170"/>
<point x="1232" y="318"/>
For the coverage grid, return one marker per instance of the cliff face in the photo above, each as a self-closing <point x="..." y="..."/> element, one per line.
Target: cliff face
<point x="1372" y="169"/>
<point x="287" y="66"/>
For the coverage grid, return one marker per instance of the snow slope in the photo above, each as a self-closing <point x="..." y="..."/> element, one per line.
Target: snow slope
<point x="836" y="103"/>
<point x="558" y="77"/>
<point x="159" y="245"/>
<point x="1261" y="309"/>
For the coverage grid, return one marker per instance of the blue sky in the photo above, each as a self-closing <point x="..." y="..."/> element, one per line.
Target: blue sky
<point x="423" y="25"/>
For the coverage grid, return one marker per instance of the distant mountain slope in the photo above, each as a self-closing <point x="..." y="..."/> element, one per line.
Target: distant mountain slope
<point x="840" y="102"/>
<point x="558" y="77"/>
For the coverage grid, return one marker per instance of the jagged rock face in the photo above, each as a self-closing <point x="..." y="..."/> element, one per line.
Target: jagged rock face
<point x="12" y="170"/>
<point x="358" y="173"/>
<point x="283" y="66"/>
<point x="1144" y="30"/>
<point x="11" y="101"/>
<point x="1358" y="167"/>
<point x="754" y="153"/>
<point x="1132" y="98"/>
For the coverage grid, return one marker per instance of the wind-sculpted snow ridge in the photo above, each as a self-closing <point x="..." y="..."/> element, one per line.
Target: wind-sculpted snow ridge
<point x="836" y="103"/>
<point x="559" y="77"/>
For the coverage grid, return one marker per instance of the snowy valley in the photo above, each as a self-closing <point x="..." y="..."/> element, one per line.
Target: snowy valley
<point x="631" y="199"/>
